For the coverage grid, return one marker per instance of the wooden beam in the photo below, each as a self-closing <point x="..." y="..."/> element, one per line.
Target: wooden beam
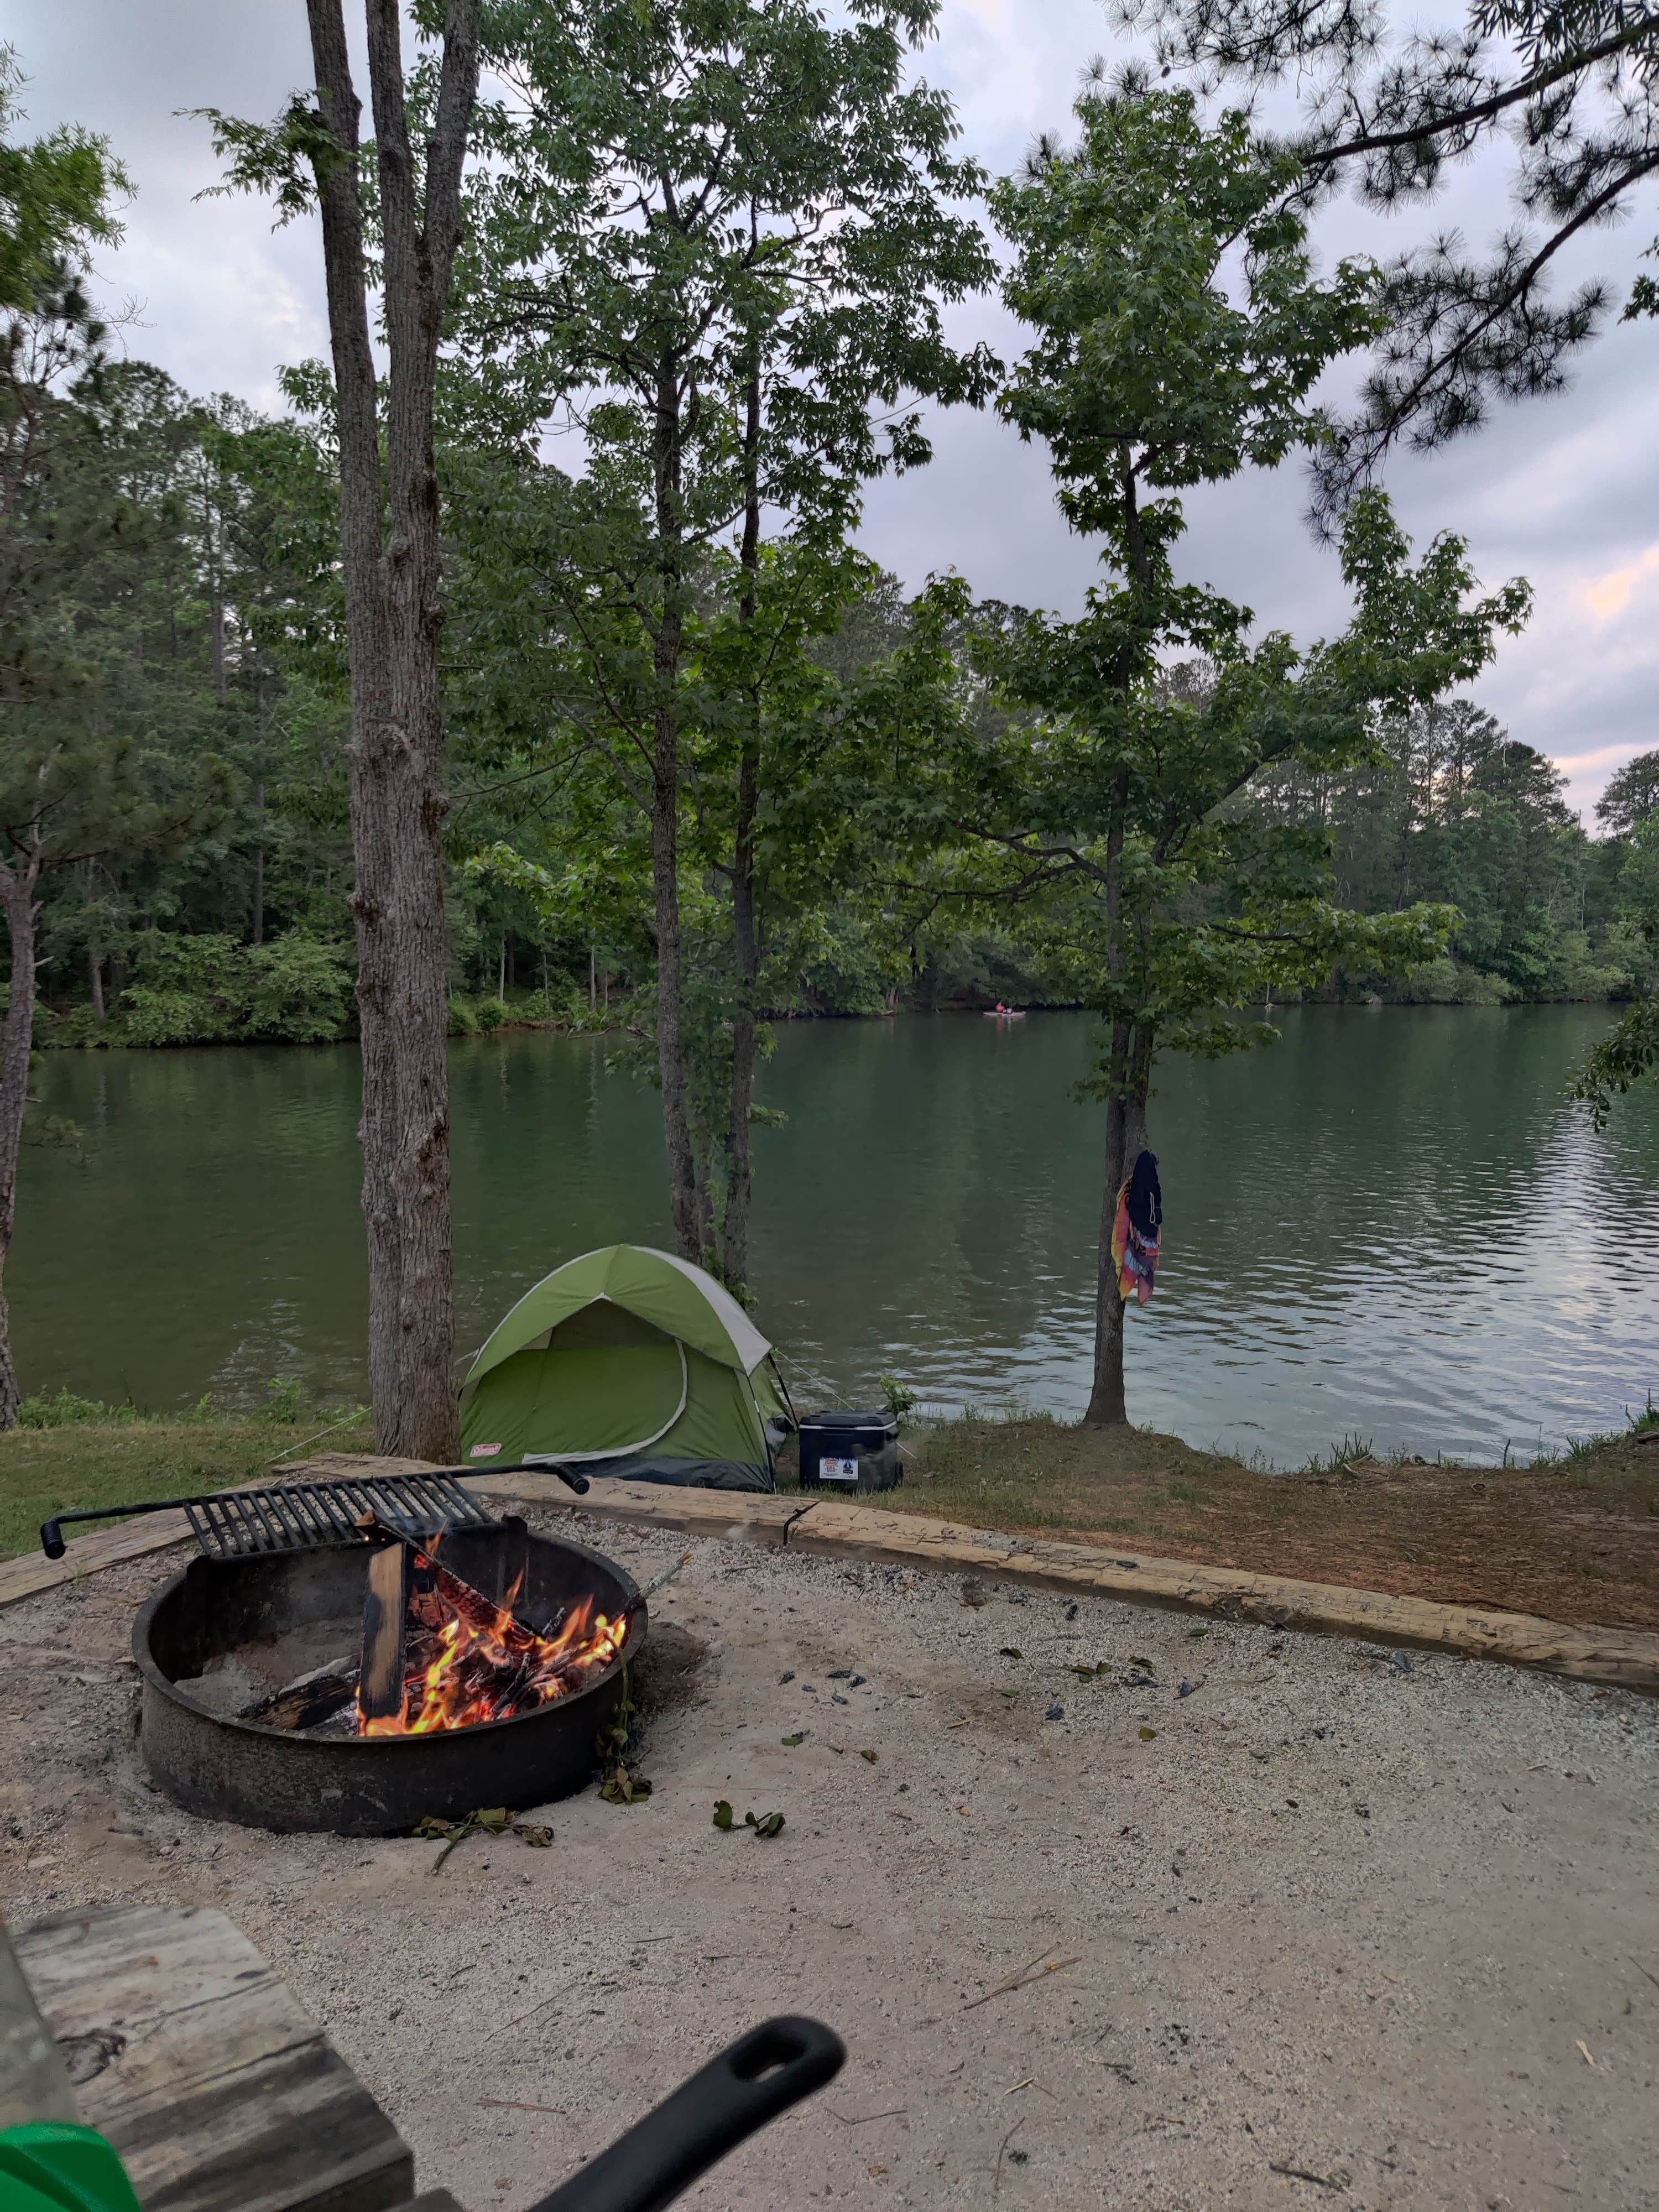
<point x="190" y="2055"/>
<point x="1623" y="1658"/>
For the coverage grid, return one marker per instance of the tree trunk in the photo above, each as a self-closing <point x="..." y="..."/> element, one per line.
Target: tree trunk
<point x="257" y="931"/>
<point x="394" y="615"/>
<point x="95" y="956"/>
<point x="218" y="619"/>
<point x="17" y="883"/>
<point x="666" y="827"/>
<point x="1125" y="1136"/>
<point x="740" y="1173"/>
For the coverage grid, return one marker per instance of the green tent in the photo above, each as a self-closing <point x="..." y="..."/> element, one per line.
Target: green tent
<point x="628" y="1361"/>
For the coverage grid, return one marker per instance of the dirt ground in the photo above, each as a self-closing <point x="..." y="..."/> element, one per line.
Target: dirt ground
<point x="1337" y="1925"/>
<point x="1576" y="1542"/>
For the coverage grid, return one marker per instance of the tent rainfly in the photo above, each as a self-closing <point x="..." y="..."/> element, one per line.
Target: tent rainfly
<point x="628" y="1361"/>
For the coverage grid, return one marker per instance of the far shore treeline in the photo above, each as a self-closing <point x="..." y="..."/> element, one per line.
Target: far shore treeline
<point x="530" y="668"/>
<point x="210" y="627"/>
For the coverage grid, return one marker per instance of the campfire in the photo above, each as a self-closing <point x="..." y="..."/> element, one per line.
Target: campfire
<point x="439" y="1654"/>
<point x="385" y="1674"/>
<point x="466" y="1660"/>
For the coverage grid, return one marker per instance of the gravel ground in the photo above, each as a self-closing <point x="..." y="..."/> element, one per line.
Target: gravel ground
<point x="1336" y="1926"/>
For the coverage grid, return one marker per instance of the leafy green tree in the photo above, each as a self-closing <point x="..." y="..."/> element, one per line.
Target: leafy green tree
<point x="1631" y="797"/>
<point x="713" y="239"/>
<point x="72" y="787"/>
<point x="1629" y="1054"/>
<point x="1178" y="332"/>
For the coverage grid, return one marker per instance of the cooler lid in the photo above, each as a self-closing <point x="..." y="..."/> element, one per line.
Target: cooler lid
<point x="881" y="1420"/>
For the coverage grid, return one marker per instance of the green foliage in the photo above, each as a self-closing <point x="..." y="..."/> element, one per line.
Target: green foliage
<point x="285" y="1398"/>
<point x="1626" y="1057"/>
<point x="64" y="1410"/>
<point x="1110" y="805"/>
<point x="211" y="990"/>
<point x="1448" y="807"/>
<point x="54" y="202"/>
<point x="898" y="1397"/>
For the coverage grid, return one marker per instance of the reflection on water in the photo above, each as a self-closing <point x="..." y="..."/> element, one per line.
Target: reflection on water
<point x="1389" y="1224"/>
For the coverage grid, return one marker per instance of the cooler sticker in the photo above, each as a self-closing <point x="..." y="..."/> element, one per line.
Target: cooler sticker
<point x="484" y="1451"/>
<point x="838" y="1470"/>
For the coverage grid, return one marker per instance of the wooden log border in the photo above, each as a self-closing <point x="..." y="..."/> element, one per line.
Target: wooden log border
<point x="1616" y="1658"/>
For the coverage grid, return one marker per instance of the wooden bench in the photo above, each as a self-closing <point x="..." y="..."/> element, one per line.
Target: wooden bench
<point x="188" y="2053"/>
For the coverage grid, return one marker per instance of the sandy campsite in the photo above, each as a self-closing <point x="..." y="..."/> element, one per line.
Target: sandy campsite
<point x="1248" y="1918"/>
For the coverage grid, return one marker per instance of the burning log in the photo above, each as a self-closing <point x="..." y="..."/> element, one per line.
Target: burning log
<point x="468" y="1660"/>
<point x="308" y="1700"/>
<point x="386" y="1614"/>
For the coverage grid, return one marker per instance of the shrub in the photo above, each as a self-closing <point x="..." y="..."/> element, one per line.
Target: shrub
<point x="301" y="990"/>
<point x="285" y="1398"/>
<point x="211" y="990"/>
<point x="64" y="1410"/>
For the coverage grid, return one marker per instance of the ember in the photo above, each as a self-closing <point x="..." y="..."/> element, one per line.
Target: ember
<point x="468" y="1660"/>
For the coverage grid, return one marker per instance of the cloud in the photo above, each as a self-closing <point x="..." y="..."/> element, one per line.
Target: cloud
<point x="1609" y="596"/>
<point x="1560" y="490"/>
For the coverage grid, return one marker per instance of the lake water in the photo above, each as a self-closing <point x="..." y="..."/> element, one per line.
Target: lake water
<point x="1390" y="1224"/>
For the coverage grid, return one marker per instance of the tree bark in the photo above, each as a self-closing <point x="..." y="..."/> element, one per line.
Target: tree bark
<point x="257" y="933"/>
<point x="394" y="616"/>
<point x="665" y="823"/>
<point x="1125" y="1135"/>
<point x="94" y="955"/>
<point x="739" y="1174"/>
<point x="17" y="887"/>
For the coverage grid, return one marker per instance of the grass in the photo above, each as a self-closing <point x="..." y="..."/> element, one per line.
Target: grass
<point x="1573" y="1538"/>
<point x="74" y="1452"/>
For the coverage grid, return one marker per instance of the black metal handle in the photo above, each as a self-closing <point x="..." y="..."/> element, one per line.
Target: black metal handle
<point x="577" y="1482"/>
<point x="52" y="1531"/>
<point x="758" y="2077"/>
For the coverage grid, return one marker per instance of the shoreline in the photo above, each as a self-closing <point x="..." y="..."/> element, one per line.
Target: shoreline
<point x="482" y="1035"/>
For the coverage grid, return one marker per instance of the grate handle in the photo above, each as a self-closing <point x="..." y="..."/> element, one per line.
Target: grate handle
<point x="52" y="1531"/>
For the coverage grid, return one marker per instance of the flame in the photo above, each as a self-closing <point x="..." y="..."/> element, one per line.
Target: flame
<point x="488" y="1665"/>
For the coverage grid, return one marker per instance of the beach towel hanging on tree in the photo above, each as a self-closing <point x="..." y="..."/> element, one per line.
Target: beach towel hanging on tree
<point x="1136" y="1226"/>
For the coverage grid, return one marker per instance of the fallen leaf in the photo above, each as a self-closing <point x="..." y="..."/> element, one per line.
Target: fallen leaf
<point x="723" y="1814"/>
<point x="531" y="1833"/>
<point x="870" y="1755"/>
<point x="1584" y="2047"/>
<point x="1135" y="1660"/>
<point x="770" y="1824"/>
<point x="791" y="1740"/>
<point x="1010" y="1652"/>
<point x="1147" y="1735"/>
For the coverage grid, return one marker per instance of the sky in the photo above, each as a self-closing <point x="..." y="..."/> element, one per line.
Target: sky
<point x="1563" y="491"/>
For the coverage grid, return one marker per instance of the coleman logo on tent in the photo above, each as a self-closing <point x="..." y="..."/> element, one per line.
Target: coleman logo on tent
<point x="484" y="1451"/>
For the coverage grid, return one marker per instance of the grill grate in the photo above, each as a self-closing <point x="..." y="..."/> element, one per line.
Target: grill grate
<point x="299" y="1516"/>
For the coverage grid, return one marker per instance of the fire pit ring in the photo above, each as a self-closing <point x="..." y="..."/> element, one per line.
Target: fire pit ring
<point x="221" y="1615"/>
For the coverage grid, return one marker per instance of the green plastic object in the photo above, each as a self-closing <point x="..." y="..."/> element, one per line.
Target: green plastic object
<point x="50" y="2167"/>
